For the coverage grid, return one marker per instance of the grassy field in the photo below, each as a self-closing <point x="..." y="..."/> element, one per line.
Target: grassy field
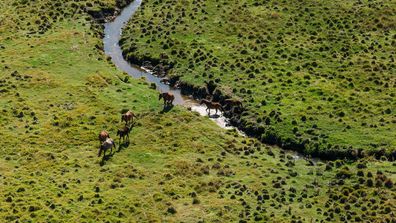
<point x="57" y="91"/>
<point x="315" y="75"/>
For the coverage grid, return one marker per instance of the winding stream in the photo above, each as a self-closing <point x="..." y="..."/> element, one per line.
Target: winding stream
<point x="113" y="32"/>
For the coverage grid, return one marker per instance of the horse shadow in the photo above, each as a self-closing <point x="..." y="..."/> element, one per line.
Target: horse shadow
<point x="106" y="158"/>
<point x="167" y="108"/>
<point x="123" y="145"/>
<point x="214" y="116"/>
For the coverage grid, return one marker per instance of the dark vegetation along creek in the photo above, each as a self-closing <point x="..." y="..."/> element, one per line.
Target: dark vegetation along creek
<point x="58" y="90"/>
<point x="313" y="76"/>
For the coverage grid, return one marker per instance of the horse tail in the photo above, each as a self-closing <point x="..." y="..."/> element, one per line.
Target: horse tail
<point x="100" y="151"/>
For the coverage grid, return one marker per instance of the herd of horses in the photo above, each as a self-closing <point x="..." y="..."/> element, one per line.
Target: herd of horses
<point x="107" y="143"/>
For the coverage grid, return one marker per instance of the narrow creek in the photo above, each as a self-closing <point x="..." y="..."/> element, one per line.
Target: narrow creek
<point x="113" y="32"/>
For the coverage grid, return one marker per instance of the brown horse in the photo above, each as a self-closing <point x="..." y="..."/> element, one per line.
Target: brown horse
<point x="168" y="98"/>
<point x="107" y="144"/>
<point x="233" y="102"/>
<point x="128" y="117"/>
<point x="211" y="105"/>
<point x="103" y="135"/>
<point x="124" y="132"/>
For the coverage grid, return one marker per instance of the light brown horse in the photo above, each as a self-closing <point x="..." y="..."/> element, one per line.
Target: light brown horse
<point x="233" y="102"/>
<point x="168" y="98"/>
<point x="103" y="135"/>
<point x="211" y="105"/>
<point x="128" y="117"/>
<point x="107" y="144"/>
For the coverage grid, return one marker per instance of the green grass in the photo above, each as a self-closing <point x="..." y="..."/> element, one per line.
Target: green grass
<point x="58" y="91"/>
<point x="325" y="66"/>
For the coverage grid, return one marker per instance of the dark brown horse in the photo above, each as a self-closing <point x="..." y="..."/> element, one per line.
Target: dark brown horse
<point x="233" y="102"/>
<point x="107" y="144"/>
<point x="211" y="105"/>
<point x="124" y="132"/>
<point x="128" y="117"/>
<point x="103" y="135"/>
<point x="168" y="98"/>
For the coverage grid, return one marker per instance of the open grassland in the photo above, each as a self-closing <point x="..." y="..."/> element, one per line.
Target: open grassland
<point x="57" y="91"/>
<point x="317" y="76"/>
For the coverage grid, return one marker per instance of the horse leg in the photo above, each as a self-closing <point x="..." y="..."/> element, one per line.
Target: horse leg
<point x="100" y="151"/>
<point x="216" y="111"/>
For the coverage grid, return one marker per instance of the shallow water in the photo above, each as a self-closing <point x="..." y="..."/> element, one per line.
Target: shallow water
<point x="113" y="32"/>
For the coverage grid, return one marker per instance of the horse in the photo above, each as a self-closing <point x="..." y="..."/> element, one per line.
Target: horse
<point x="168" y="98"/>
<point x="124" y="132"/>
<point x="127" y="117"/>
<point x="107" y="144"/>
<point x="211" y="105"/>
<point x="233" y="102"/>
<point x="103" y="135"/>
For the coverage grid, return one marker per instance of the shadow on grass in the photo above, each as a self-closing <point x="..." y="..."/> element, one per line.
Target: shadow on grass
<point x="167" y="108"/>
<point x="106" y="158"/>
<point x="123" y="145"/>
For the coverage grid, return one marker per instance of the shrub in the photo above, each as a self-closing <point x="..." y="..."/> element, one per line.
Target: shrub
<point x="388" y="183"/>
